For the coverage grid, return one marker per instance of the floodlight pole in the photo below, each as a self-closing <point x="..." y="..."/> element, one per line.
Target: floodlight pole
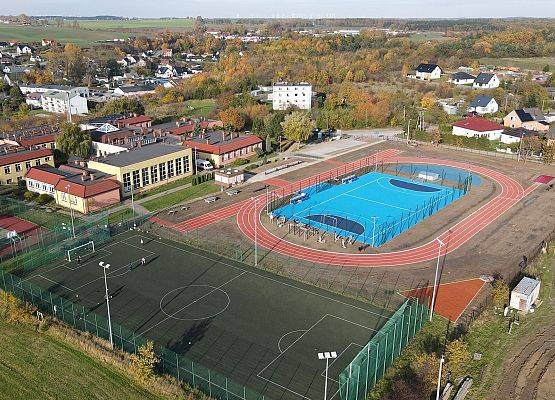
<point x="104" y="268"/>
<point x="255" y="233"/>
<point x="326" y="355"/>
<point x="71" y="211"/>
<point x="133" y="202"/>
<point x="374" y="218"/>
<point x="441" y="361"/>
<point x="408" y="131"/>
<point x="435" y="279"/>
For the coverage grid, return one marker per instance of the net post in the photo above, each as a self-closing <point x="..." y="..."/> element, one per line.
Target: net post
<point x="177" y="366"/>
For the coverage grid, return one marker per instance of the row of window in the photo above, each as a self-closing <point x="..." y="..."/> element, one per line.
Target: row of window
<point x="240" y="152"/>
<point x="8" y="168"/>
<point x="156" y="173"/>
<point x="41" y="186"/>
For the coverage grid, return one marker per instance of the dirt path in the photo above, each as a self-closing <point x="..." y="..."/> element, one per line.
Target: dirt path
<point x="529" y="373"/>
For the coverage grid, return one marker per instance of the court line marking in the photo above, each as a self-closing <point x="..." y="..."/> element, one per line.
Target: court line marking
<point x="195" y="319"/>
<point x="378" y="202"/>
<point x="286" y="334"/>
<point x="323" y="374"/>
<point x="54" y="282"/>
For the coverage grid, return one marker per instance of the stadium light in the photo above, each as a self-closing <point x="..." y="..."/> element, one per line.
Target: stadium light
<point x="374" y="218"/>
<point x="441" y="361"/>
<point x="71" y="210"/>
<point x="326" y="356"/>
<point x="255" y="232"/>
<point x="104" y="268"/>
<point x="435" y="279"/>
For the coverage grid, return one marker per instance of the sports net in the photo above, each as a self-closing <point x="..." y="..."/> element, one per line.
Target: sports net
<point x="80" y="251"/>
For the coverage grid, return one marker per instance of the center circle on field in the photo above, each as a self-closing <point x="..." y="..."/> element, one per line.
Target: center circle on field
<point x="194" y="302"/>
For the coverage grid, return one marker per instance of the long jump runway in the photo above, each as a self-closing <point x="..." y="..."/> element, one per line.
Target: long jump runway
<point x="256" y="328"/>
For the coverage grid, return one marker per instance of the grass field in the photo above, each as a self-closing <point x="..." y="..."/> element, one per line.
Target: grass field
<point x="61" y="34"/>
<point x="40" y="366"/>
<point x="534" y="63"/>
<point x="151" y="23"/>
<point x="420" y="37"/>
<point x="181" y="196"/>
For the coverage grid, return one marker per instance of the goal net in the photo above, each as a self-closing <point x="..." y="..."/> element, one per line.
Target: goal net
<point x="80" y="251"/>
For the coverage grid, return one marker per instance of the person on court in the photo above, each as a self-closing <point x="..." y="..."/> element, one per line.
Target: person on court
<point x="143" y="261"/>
<point x="79" y="260"/>
<point x="142" y="242"/>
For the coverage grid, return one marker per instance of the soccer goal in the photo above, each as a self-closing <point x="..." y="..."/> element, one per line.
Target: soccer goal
<point x="80" y="251"/>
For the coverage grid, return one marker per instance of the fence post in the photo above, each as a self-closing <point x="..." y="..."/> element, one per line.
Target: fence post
<point x="177" y="365"/>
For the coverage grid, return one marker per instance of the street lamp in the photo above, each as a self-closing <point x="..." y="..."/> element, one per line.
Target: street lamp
<point x="441" y="361"/>
<point x="133" y="202"/>
<point x="104" y="268"/>
<point x="71" y="210"/>
<point x="326" y="356"/>
<point x="255" y="232"/>
<point x="436" y="278"/>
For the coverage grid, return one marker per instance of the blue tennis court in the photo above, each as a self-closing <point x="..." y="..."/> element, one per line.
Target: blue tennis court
<point x="370" y="209"/>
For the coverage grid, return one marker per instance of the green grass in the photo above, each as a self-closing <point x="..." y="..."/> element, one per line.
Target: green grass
<point x="200" y="107"/>
<point x="121" y="215"/>
<point x="181" y="196"/>
<point x="534" y="63"/>
<point x="420" y="37"/>
<point x="166" y="186"/>
<point x="49" y="220"/>
<point x="190" y="108"/>
<point x="150" y="23"/>
<point x="61" y="34"/>
<point x="41" y="366"/>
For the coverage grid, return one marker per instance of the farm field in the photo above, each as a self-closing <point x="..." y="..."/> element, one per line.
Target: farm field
<point x="533" y="63"/>
<point x="77" y="36"/>
<point x="426" y="36"/>
<point x="153" y="23"/>
<point x="38" y="365"/>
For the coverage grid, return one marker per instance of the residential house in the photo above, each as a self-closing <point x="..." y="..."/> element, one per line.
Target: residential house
<point x="187" y="127"/>
<point x="31" y="88"/>
<point x="34" y="100"/>
<point x="483" y="104"/>
<point x="529" y="118"/>
<point x="165" y="71"/>
<point x="45" y="141"/>
<point x="428" y="72"/>
<point x="63" y="102"/>
<point x="146" y="167"/>
<point x="222" y="148"/>
<point x="48" y="42"/>
<point x="297" y="95"/>
<point x="134" y="91"/>
<point x="23" y="49"/>
<point x="140" y="121"/>
<point x="478" y="127"/>
<point x="515" y="135"/>
<point x="44" y="178"/>
<point x="485" y="80"/>
<point x="88" y="192"/>
<point x="462" y="78"/>
<point x="549" y="136"/>
<point x="14" y="165"/>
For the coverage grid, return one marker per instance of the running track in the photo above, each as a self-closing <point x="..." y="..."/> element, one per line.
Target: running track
<point x="454" y="237"/>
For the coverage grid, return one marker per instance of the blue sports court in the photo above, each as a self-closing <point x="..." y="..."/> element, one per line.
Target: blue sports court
<point x="372" y="208"/>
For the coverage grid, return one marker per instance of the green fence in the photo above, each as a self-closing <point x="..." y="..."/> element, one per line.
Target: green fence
<point x="370" y="364"/>
<point x="182" y="368"/>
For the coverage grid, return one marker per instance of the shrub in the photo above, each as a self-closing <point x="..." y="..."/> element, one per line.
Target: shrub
<point x="13" y="310"/>
<point x="499" y="293"/>
<point x="457" y="356"/>
<point x="44" y="199"/>
<point x="145" y="360"/>
<point x="240" y="161"/>
<point x="29" y="196"/>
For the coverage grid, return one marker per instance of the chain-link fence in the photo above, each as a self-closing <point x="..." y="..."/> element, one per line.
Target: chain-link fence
<point x="182" y="368"/>
<point x="370" y="364"/>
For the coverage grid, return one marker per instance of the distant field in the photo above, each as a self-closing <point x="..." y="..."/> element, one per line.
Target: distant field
<point x="534" y="63"/>
<point x="61" y="34"/>
<point x="155" y="23"/>
<point x="426" y="36"/>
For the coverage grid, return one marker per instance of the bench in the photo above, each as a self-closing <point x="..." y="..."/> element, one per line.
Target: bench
<point x="210" y="199"/>
<point x="232" y="192"/>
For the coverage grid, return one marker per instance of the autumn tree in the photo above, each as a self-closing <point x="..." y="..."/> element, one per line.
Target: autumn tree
<point x="122" y="105"/>
<point x="232" y="119"/>
<point x="298" y="126"/>
<point x="145" y="360"/>
<point x="548" y="152"/>
<point x="499" y="293"/>
<point x="426" y="367"/>
<point x="73" y="141"/>
<point x="428" y="101"/>
<point x="457" y="356"/>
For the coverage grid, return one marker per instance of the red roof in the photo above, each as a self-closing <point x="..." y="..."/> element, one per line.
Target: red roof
<point x="235" y="144"/>
<point x="90" y="189"/>
<point x="36" y="140"/>
<point x="478" y="124"/>
<point x="46" y="175"/>
<point x="139" y="119"/>
<point x="183" y="129"/>
<point x="13" y="158"/>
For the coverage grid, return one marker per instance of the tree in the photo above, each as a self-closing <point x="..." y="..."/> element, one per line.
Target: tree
<point x="499" y="293"/>
<point x="268" y="144"/>
<point x="546" y="68"/>
<point x="123" y="105"/>
<point x="145" y="361"/>
<point x="232" y="119"/>
<point x="548" y="152"/>
<point x="428" y="101"/>
<point x="457" y="356"/>
<point x="73" y="141"/>
<point x="298" y="126"/>
<point x="426" y="367"/>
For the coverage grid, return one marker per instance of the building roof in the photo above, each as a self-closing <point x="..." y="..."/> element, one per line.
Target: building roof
<point x="462" y="75"/>
<point x="484" y="77"/>
<point x="48" y="87"/>
<point x="139" y="154"/>
<point x="479" y="124"/>
<point x="519" y="132"/>
<point x="526" y="286"/>
<point x="47" y="174"/>
<point x="427" y="68"/>
<point x="60" y="95"/>
<point x="136" y="88"/>
<point x="215" y="143"/>
<point x="292" y="84"/>
<point x="29" y="141"/>
<point x="88" y="188"/>
<point x="12" y="158"/>
<point x="139" y="119"/>
<point x="481" y="100"/>
<point x="530" y="114"/>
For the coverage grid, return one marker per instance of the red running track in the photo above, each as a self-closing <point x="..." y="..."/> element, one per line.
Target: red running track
<point x="454" y="237"/>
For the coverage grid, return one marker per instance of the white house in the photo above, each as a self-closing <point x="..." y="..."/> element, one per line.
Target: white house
<point x="462" y="78"/>
<point x="58" y="102"/>
<point x="135" y="90"/>
<point x="485" y="80"/>
<point x="34" y="100"/>
<point x="229" y="177"/>
<point x="30" y="88"/>
<point x="43" y="178"/>
<point x="428" y="72"/>
<point x="515" y="135"/>
<point x="525" y="294"/>
<point x="483" y="104"/>
<point x="297" y="95"/>
<point x="478" y="127"/>
<point x="165" y="71"/>
<point x="23" y="49"/>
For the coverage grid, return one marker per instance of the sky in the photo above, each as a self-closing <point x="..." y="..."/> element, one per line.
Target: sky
<point x="284" y="8"/>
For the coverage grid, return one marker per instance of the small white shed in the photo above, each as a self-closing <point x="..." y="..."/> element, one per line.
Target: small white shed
<point x="229" y="177"/>
<point x="525" y="294"/>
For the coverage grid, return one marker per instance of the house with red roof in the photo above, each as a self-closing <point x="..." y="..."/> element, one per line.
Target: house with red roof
<point x="38" y="141"/>
<point x="478" y="127"/>
<point x="140" y="121"/>
<point x="14" y="165"/>
<point x="87" y="192"/>
<point x="222" y="148"/>
<point x="44" y="178"/>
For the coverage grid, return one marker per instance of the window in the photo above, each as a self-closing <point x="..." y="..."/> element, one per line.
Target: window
<point x="146" y="180"/>
<point x="178" y="166"/>
<point x="136" y="179"/>
<point x="17" y="167"/>
<point x="162" y="168"/>
<point x="37" y="163"/>
<point x="19" y="178"/>
<point x="28" y="164"/>
<point x="186" y="165"/>
<point x="170" y="168"/>
<point x="154" y="173"/>
<point x="63" y="196"/>
<point x="126" y="182"/>
<point x="7" y="169"/>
